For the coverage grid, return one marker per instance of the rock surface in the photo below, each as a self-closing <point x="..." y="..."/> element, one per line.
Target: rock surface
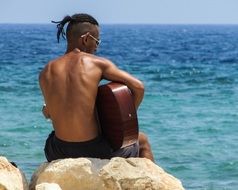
<point x="11" y="178"/>
<point x="116" y="174"/>
<point x="48" y="186"/>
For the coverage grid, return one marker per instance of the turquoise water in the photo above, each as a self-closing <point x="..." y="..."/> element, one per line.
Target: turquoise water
<point x="190" y="107"/>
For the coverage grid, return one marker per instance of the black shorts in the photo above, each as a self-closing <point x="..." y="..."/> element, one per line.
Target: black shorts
<point x="95" y="148"/>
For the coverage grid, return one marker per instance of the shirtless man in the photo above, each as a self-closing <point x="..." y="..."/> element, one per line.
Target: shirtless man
<point x="69" y="85"/>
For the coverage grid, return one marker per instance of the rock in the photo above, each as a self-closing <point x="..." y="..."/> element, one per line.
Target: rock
<point x="69" y="174"/>
<point x="117" y="174"/>
<point x="137" y="174"/>
<point x="11" y="177"/>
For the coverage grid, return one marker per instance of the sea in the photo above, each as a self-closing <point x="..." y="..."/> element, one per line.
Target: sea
<point x="190" y="107"/>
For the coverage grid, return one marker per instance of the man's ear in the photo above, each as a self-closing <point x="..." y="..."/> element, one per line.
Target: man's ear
<point x="85" y="38"/>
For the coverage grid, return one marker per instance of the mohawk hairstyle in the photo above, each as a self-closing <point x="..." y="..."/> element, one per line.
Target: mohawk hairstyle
<point x="76" y="18"/>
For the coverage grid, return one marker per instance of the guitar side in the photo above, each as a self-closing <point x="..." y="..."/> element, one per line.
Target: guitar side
<point x="117" y="114"/>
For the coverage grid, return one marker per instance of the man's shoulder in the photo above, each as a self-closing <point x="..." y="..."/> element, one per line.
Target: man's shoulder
<point x="101" y="60"/>
<point x="94" y="58"/>
<point x="47" y="67"/>
<point x="54" y="62"/>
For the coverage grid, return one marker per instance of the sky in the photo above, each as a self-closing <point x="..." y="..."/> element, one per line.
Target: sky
<point x="122" y="11"/>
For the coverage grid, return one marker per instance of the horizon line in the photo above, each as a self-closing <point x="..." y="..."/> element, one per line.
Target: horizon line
<point x="44" y="23"/>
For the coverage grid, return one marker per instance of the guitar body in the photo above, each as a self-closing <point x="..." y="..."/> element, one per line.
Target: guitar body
<point x="117" y="114"/>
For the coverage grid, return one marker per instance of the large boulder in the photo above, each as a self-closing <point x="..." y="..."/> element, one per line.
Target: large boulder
<point x="137" y="174"/>
<point x="70" y="174"/>
<point x="117" y="174"/>
<point x="11" y="178"/>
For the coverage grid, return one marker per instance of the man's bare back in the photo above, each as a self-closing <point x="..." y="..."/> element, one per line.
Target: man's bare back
<point x="70" y="86"/>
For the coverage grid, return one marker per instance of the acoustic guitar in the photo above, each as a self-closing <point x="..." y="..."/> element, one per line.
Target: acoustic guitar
<point x="117" y="114"/>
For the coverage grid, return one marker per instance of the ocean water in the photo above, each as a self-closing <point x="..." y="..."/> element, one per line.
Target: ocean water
<point x="190" y="108"/>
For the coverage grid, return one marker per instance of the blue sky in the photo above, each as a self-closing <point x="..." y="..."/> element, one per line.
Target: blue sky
<point x="123" y="11"/>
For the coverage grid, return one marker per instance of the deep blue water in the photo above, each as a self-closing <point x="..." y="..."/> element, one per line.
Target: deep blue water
<point x="190" y="109"/>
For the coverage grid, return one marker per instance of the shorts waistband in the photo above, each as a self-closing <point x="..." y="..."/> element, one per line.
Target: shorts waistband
<point x="67" y="143"/>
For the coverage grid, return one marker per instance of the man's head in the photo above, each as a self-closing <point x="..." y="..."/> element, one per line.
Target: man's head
<point x="82" y="32"/>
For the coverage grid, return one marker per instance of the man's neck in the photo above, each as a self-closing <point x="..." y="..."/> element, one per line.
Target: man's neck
<point x="69" y="48"/>
<point x="72" y="48"/>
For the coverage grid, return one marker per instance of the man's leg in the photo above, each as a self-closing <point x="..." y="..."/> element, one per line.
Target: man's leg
<point x="144" y="147"/>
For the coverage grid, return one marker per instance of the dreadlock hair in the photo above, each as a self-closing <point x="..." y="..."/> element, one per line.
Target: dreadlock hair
<point x="76" y="19"/>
